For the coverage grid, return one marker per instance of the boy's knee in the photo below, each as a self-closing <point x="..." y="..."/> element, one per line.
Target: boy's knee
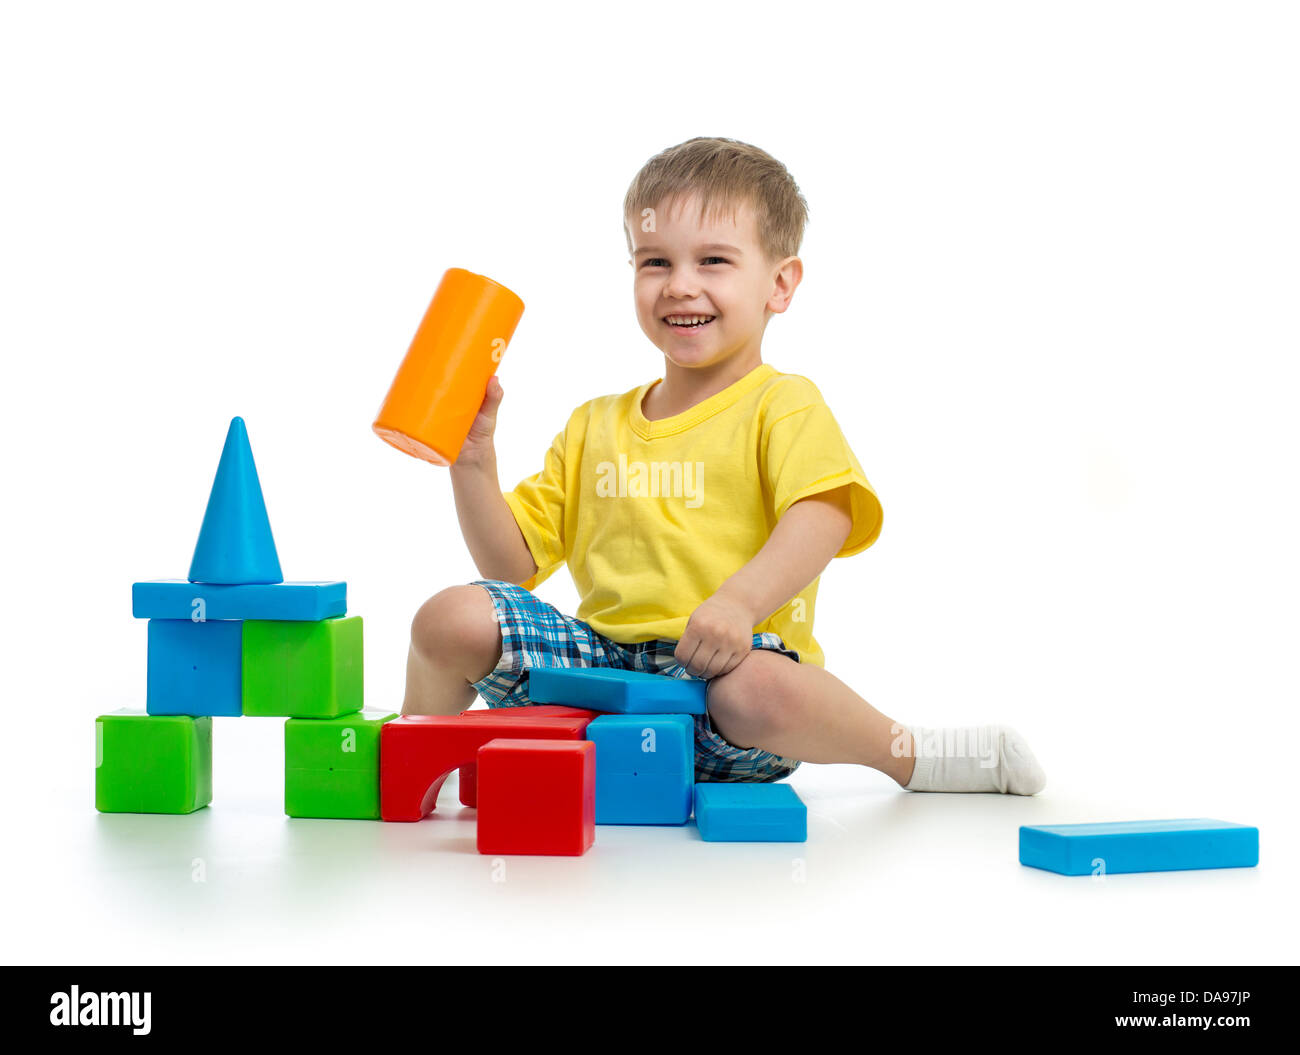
<point x="747" y="700"/>
<point x="458" y="625"/>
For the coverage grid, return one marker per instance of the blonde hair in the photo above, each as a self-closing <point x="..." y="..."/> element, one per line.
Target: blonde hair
<point x="725" y="173"/>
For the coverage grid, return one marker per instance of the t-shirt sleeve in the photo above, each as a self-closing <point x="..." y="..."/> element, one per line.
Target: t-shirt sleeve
<point x="805" y="453"/>
<point x="538" y="507"/>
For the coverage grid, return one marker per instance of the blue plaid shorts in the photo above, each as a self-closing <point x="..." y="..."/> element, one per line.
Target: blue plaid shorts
<point x="537" y="634"/>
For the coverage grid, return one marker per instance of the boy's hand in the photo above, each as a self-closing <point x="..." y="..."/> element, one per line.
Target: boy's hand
<point x="719" y="634"/>
<point x="478" y="448"/>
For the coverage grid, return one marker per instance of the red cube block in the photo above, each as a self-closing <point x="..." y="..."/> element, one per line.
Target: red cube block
<point x="536" y="796"/>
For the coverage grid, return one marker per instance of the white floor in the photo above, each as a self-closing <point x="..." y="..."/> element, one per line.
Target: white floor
<point x="886" y="876"/>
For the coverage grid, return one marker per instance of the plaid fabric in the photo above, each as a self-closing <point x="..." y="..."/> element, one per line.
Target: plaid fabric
<point x="537" y="634"/>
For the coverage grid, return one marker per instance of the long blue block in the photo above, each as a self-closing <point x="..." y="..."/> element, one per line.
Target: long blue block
<point x="1139" y="846"/>
<point x="616" y="690"/>
<point x="195" y="668"/>
<point x="286" y="601"/>
<point x="645" y="767"/>
<point x="733" y="813"/>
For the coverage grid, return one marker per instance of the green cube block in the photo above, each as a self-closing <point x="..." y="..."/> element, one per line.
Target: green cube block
<point x="331" y="765"/>
<point x="302" y="669"/>
<point x="152" y="763"/>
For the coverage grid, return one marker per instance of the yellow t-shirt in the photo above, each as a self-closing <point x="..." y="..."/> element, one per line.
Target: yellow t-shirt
<point x="653" y="516"/>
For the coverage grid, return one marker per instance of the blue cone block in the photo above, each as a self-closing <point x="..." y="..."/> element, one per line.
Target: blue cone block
<point x="617" y="690"/>
<point x="645" y="768"/>
<point x="1139" y="846"/>
<point x="235" y="543"/>
<point x="746" y="813"/>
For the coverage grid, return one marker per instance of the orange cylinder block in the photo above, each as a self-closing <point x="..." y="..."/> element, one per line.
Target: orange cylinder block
<point x="440" y="385"/>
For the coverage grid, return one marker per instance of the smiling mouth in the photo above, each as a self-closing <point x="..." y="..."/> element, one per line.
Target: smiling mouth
<point x="698" y="322"/>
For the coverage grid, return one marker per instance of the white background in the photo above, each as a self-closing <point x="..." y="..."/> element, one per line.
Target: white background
<point x="1050" y="295"/>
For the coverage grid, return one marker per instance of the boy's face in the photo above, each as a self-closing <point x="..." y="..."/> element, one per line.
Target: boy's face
<point x="714" y="269"/>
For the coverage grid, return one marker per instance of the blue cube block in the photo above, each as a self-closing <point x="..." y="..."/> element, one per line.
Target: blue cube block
<point x="283" y="601"/>
<point x="734" y="813"/>
<point x="616" y="690"/>
<point x="195" y="668"/>
<point x="645" y="768"/>
<point x="1139" y="846"/>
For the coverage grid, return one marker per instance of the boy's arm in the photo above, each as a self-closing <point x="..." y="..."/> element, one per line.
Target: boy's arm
<point x="491" y="533"/>
<point x="803" y="542"/>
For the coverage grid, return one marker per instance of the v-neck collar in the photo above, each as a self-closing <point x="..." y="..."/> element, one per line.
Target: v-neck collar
<point x="706" y="408"/>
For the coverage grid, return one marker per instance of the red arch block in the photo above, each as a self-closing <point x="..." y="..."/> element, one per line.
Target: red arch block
<point x="469" y="774"/>
<point x="417" y="752"/>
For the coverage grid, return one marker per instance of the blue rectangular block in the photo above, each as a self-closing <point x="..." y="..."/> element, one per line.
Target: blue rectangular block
<point x="288" y="601"/>
<point x="645" y="767"/>
<point x="1139" y="846"/>
<point x="616" y="690"/>
<point x="767" y="813"/>
<point x="195" y="668"/>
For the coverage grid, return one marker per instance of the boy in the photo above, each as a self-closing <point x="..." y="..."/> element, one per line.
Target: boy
<point x="695" y="512"/>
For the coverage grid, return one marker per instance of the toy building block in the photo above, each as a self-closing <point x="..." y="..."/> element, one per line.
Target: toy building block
<point x="235" y="542"/>
<point x="418" y="752"/>
<point x="195" y="668"/>
<point x="182" y="599"/>
<point x="768" y="813"/>
<point x="468" y="774"/>
<point x="536" y="796"/>
<point x="147" y="763"/>
<point x="331" y="765"/>
<point x="645" y="768"/>
<point x="529" y="710"/>
<point x="439" y="387"/>
<point x="1139" y="846"/>
<point x="302" y="670"/>
<point x="616" y="690"/>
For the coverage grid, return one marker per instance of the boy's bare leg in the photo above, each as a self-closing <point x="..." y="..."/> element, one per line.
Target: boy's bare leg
<point x="455" y="641"/>
<point x="800" y="710"/>
<point x="809" y="714"/>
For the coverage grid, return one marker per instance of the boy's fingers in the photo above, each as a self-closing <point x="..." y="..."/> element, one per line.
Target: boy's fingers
<point x="491" y="399"/>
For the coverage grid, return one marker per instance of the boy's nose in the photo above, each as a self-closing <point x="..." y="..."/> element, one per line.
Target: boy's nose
<point x="680" y="291"/>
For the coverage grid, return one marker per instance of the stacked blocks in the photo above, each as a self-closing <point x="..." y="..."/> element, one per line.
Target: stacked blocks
<point x="331" y="765"/>
<point x="235" y="639"/>
<point x="636" y="783"/>
<point x="536" y="796"/>
<point x="152" y="763"/>
<point x="750" y="813"/>
<point x="601" y="746"/>
<point x="1139" y="846"/>
<point x="648" y="788"/>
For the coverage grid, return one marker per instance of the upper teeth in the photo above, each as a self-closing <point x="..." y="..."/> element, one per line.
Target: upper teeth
<point x="684" y="320"/>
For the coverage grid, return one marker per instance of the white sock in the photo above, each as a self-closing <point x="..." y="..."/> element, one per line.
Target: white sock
<point x="974" y="758"/>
